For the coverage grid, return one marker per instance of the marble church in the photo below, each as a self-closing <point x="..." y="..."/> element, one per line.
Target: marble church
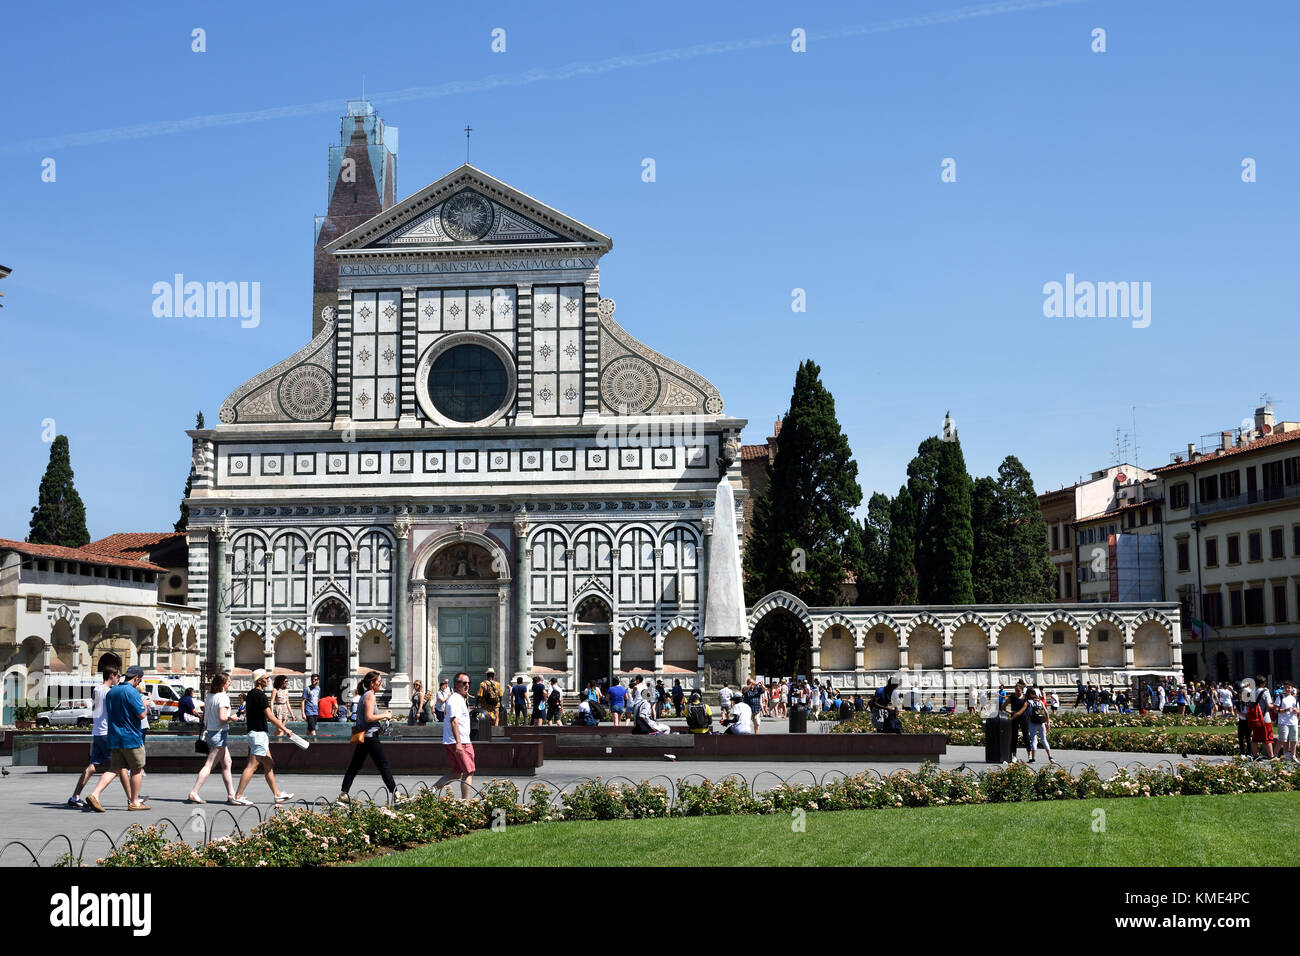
<point x="471" y="464"/>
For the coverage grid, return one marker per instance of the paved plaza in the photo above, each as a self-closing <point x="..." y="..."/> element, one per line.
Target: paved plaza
<point x="33" y="801"/>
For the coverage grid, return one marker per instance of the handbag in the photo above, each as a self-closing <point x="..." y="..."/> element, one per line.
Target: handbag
<point x="201" y="744"/>
<point x="358" y="737"/>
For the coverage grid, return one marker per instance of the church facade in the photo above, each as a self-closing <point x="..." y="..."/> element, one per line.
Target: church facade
<point x="471" y="464"/>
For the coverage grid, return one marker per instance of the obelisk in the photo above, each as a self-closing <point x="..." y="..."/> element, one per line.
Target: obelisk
<point x="726" y="632"/>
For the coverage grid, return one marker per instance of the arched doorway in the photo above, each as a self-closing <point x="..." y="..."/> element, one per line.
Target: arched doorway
<point x="595" y="642"/>
<point x="465" y="583"/>
<point x="331" y="626"/>
<point x="782" y="645"/>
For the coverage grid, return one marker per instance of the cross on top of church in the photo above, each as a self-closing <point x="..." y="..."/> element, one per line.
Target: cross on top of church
<point x="468" y="129"/>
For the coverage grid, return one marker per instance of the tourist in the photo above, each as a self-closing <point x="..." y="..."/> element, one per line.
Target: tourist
<point x="585" y="717"/>
<point x="742" y="720"/>
<point x="217" y="715"/>
<point x="186" y="712"/>
<point x="1244" y="700"/>
<point x="1261" y="723"/>
<point x="660" y="699"/>
<point x="1104" y="699"/>
<point x="539" y="700"/>
<point x="1225" y="705"/>
<point x="643" y="718"/>
<point x="280" y="705"/>
<point x="260" y="718"/>
<point x="366" y="728"/>
<point x="754" y="699"/>
<point x="679" y="697"/>
<point x="617" y="702"/>
<point x="1038" y="720"/>
<point x="489" y="696"/>
<point x="343" y="697"/>
<point x="1018" y="710"/>
<point x="99" y="756"/>
<point x="418" y="700"/>
<point x="972" y="700"/>
<point x="353" y="713"/>
<point x="724" y="699"/>
<point x="440" y="702"/>
<point x="125" y="709"/>
<point x="455" y="740"/>
<point x="1079" y="693"/>
<point x="1288" y="721"/>
<point x="1160" y="699"/>
<point x="699" y="719"/>
<point x="554" y="704"/>
<point x="326" y="709"/>
<point x="1054" y="702"/>
<point x="519" y="698"/>
<point x="311" y="705"/>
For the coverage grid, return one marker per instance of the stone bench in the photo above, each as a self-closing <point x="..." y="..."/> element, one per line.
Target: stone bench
<point x="858" y="748"/>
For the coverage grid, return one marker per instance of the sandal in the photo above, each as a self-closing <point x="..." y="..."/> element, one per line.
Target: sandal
<point x="194" y="798"/>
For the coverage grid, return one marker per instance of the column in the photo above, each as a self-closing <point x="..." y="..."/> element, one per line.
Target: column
<point x="421" y="631"/>
<point x="401" y="685"/>
<point x="706" y="525"/>
<point x="521" y="595"/>
<point x="221" y="658"/>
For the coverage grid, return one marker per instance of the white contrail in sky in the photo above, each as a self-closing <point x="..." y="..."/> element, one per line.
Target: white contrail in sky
<point x="499" y="80"/>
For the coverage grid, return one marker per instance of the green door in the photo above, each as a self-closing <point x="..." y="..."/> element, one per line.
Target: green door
<point x="464" y="643"/>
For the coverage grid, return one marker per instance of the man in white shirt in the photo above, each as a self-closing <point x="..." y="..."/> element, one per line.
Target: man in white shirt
<point x="99" y="756"/>
<point x="455" y="739"/>
<point x="1288" y="722"/>
<point x="724" y="698"/>
<point x="742" y="719"/>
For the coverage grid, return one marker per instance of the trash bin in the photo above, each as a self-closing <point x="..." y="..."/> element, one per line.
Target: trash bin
<point x="998" y="739"/>
<point x="798" y="719"/>
<point x="480" y="725"/>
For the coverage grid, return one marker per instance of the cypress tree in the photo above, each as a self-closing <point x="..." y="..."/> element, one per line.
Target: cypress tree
<point x="1031" y="574"/>
<point x="951" y="547"/>
<point x="990" y="561"/>
<point x="874" y="537"/>
<point x="803" y="526"/>
<point x="899" y="584"/>
<point x="59" y="516"/>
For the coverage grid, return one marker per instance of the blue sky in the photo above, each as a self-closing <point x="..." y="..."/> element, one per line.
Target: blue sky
<point x="775" y="170"/>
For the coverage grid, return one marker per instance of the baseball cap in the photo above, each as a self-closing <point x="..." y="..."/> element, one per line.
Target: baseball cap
<point x="134" y="671"/>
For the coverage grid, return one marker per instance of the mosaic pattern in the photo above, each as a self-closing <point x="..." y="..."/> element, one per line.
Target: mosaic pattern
<point x="307" y="393"/>
<point x="629" y="383"/>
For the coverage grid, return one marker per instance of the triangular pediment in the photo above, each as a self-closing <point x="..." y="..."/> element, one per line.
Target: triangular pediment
<point x="465" y="211"/>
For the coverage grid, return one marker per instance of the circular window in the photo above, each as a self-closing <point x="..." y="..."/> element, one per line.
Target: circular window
<point x="467" y="383"/>
<point x="174" y="581"/>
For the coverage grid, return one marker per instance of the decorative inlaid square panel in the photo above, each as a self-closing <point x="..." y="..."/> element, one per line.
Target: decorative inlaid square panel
<point x="273" y="465"/>
<point x="697" y="456"/>
<point x="564" y="459"/>
<point x="530" y="459"/>
<point x="435" y="461"/>
<point x="368" y="462"/>
<point x="238" y="465"/>
<point x="663" y="457"/>
<point x="598" y="458"/>
<point x="629" y="458"/>
<point x="336" y="463"/>
<point x="467" y="461"/>
<point x="304" y="464"/>
<point x="401" y="462"/>
<point x="498" y="459"/>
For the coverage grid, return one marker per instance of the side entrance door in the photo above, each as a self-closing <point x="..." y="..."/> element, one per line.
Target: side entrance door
<point x="595" y="654"/>
<point x="464" y="643"/>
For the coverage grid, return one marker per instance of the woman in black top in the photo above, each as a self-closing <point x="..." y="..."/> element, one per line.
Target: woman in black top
<point x="1018" y="709"/>
<point x="367" y="725"/>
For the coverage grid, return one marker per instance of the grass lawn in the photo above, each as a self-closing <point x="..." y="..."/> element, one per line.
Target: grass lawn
<point x="1176" y="730"/>
<point x="1160" y="831"/>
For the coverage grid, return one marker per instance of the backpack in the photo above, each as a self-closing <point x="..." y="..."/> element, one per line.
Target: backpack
<point x="1038" y="713"/>
<point x="1255" y="714"/>
<point x="554" y="699"/>
<point x="697" y="718"/>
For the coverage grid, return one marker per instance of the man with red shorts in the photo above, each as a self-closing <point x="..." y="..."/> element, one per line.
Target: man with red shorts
<point x="455" y="739"/>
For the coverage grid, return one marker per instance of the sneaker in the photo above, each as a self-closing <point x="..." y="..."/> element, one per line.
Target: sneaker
<point x="240" y="802"/>
<point x="92" y="801"/>
<point x="343" y="798"/>
<point x="1031" y="760"/>
<point x="283" y="797"/>
<point x="76" y="802"/>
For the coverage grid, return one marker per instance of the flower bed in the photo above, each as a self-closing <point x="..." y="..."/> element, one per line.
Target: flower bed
<point x="1073" y="730"/>
<point x="301" y="837"/>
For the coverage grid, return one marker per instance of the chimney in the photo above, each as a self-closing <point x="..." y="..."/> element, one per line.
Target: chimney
<point x="776" y="428"/>
<point x="1264" y="417"/>
<point x="1225" y="441"/>
<point x="1191" y="451"/>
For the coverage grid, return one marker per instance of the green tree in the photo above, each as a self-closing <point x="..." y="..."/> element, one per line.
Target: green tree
<point x="873" y="535"/>
<point x="1031" y="574"/>
<point x="990" y="562"/>
<point x="59" y="516"/>
<point x="899" y="585"/>
<point x="940" y="490"/>
<point x="803" y="528"/>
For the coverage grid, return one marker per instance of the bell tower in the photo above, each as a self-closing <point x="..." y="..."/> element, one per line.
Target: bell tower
<point x="362" y="184"/>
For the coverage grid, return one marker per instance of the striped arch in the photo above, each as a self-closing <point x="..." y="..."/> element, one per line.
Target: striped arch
<point x="970" y="617"/>
<point x="674" y="624"/>
<point x="880" y="617"/>
<point x="1013" y="617"/>
<point x="842" y="621"/>
<point x="374" y="624"/>
<point x="780" y="599"/>
<point x="295" y="626"/>
<point x="557" y="624"/>
<point x="1106" y="614"/>
<point x="239" y="627"/>
<point x="925" y="617"/>
<point x="1058" y="617"/>
<point x="644" y="623"/>
<point x="1151" y="614"/>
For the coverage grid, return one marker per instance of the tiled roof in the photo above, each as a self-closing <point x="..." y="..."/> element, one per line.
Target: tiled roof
<point x="1277" y="438"/>
<point x="1129" y="506"/>
<point x="125" y="542"/>
<point x="752" y="452"/>
<point x="58" y="553"/>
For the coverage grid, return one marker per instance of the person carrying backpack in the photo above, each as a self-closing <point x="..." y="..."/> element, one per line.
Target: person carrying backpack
<point x="699" y="719"/>
<point x="554" y="703"/>
<point x="1038" y="719"/>
<point x="1260" y="718"/>
<point x="489" y="696"/>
